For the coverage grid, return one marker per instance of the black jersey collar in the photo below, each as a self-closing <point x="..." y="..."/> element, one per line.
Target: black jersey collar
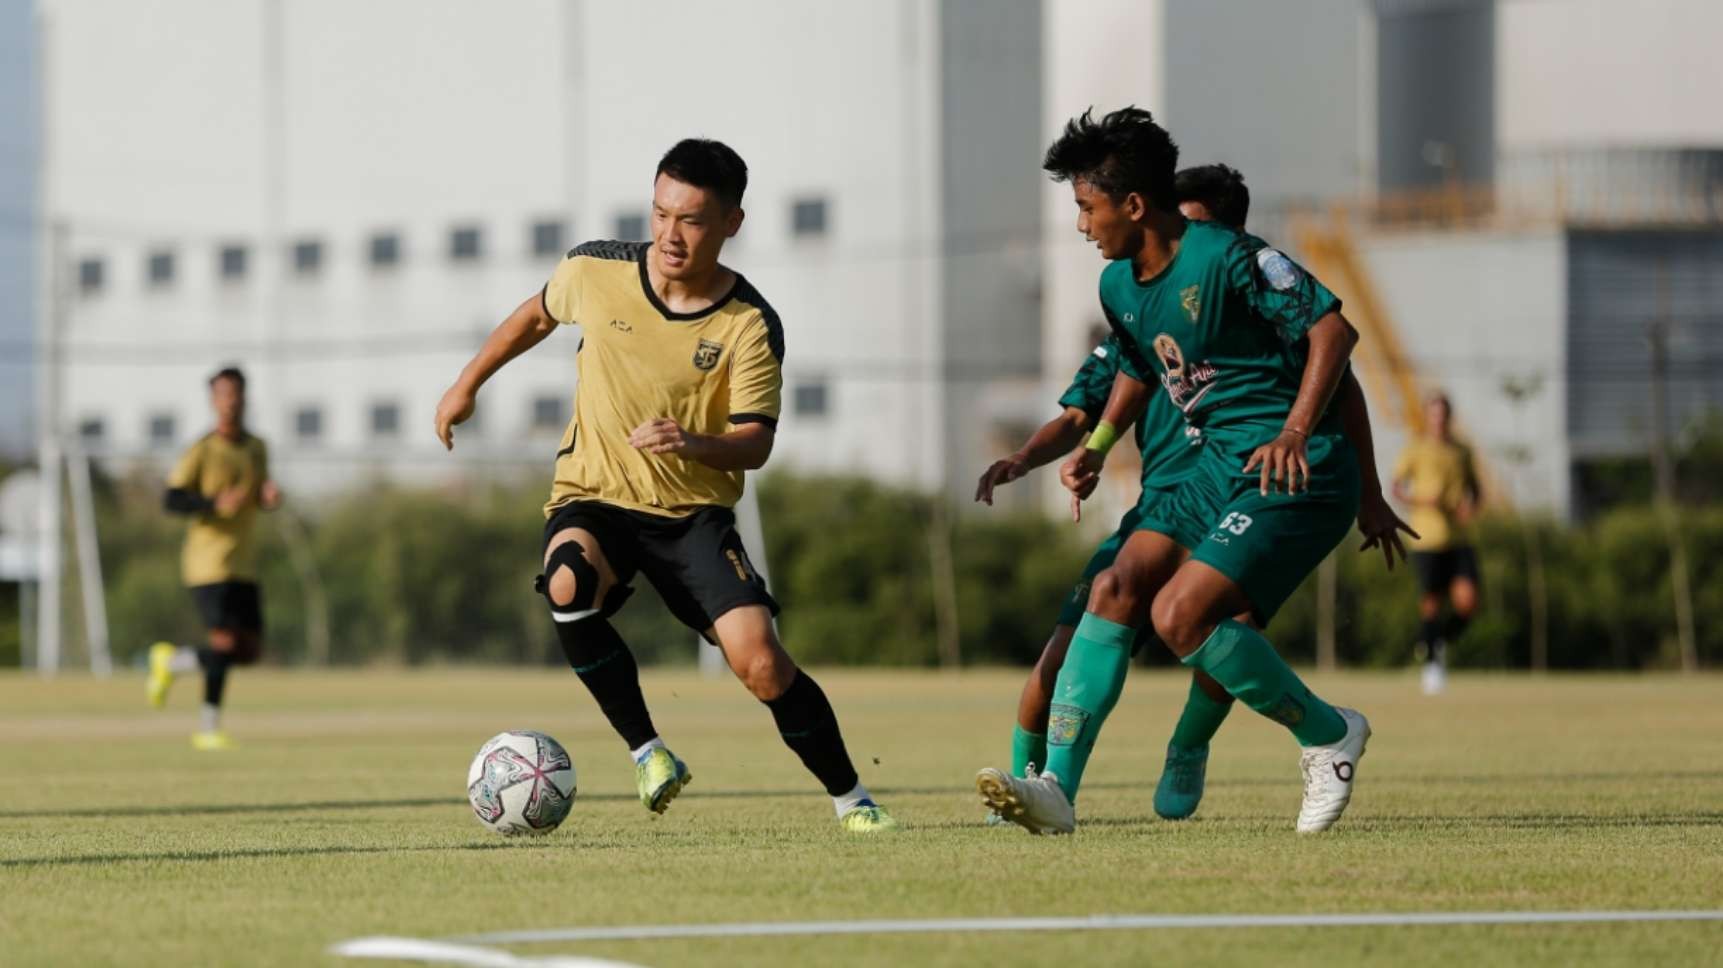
<point x="666" y="311"/>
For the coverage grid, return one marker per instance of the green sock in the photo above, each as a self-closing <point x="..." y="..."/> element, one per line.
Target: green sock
<point x="1246" y="664"/>
<point x="1027" y="748"/>
<point x="1087" y="689"/>
<point x="1200" y="720"/>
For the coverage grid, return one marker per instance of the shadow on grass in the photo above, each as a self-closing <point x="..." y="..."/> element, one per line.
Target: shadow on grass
<point x="181" y="856"/>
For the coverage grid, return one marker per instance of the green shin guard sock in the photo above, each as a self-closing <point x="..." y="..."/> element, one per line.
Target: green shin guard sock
<point x="1087" y="689"/>
<point x="1246" y="664"/>
<point x="1027" y="748"/>
<point x="1200" y="719"/>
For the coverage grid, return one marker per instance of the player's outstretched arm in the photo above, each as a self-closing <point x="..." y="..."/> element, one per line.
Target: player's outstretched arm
<point x="1052" y="441"/>
<point x="744" y="449"/>
<point x="1282" y="461"/>
<point x="524" y="328"/>
<point x="1125" y="404"/>
<point x="1377" y="521"/>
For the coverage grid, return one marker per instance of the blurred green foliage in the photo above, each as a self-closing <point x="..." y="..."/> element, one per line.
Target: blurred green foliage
<point x="445" y="575"/>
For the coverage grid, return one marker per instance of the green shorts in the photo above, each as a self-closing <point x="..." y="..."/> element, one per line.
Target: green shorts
<point x="1268" y="544"/>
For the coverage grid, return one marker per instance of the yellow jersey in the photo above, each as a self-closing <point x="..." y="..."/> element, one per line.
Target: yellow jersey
<point x="709" y="371"/>
<point x="221" y="548"/>
<point x="1441" y="477"/>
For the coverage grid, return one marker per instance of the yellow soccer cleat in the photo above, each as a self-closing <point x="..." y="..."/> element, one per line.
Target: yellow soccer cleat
<point x="660" y="776"/>
<point x="868" y="818"/>
<point x="211" y="741"/>
<point x="161" y="673"/>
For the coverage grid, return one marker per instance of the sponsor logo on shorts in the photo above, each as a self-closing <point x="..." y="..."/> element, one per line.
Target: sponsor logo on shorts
<point x="1065" y="724"/>
<point x="706" y="354"/>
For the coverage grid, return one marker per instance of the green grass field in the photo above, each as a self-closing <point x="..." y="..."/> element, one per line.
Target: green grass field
<point x="344" y="816"/>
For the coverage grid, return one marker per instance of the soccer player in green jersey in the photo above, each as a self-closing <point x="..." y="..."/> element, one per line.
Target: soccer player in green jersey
<point x="1250" y="349"/>
<point x="1169" y="448"/>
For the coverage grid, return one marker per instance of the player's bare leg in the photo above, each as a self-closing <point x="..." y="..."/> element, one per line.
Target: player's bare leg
<point x="579" y="580"/>
<point x="801" y="710"/>
<point x="1193" y="616"/>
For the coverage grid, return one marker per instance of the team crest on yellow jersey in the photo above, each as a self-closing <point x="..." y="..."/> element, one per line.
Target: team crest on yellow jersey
<point x="706" y="354"/>
<point x="1190" y="298"/>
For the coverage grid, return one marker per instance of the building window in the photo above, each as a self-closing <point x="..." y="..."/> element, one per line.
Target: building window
<point x="549" y="238"/>
<point x="808" y="217"/>
<point x="631" y="228"/>
<point x="160" y="269"/>
<point x="231" y="263"/>
<point x="92" y="430"/>
<point x="90" y="276"/>
<point x="465" y="243"/>
<point x="161" y="429"/>
<point x="810" y="399"/>
<point x="548" y="413"/>
<point x="385" y="419"/>
<point x="385" y="250"/>
<point x="307" y="257"/>
<point x="308" y="424"/>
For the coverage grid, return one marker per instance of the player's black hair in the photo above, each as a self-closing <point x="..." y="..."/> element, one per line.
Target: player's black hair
<point x="1220" y="189"/>
<point x="708" y="164"/>
<point x="229" y="373"/>
<point x="1124" y="152"/>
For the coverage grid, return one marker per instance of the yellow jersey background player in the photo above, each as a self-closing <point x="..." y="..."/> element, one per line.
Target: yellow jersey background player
<point x="1437" y="480"/>
<point x="219" y="483"/>
<point x="677" y="396"/>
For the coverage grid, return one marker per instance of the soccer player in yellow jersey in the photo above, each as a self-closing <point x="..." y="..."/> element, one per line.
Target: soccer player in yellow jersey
<point x="220" y="483"/>
<point x="678" y="379"/>
<point x="1436" y="478"/>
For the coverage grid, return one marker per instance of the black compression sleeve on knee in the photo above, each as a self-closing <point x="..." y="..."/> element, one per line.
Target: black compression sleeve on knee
<point x="214" y="665"/>
<point x="602" y="661"/>
<point x="810" y="728"/>
<point x="1456" y="626"/>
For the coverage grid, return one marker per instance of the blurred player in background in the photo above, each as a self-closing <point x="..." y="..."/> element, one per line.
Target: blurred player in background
<point x="679" y="379"/>
<point x="1436" y="478"/>
<point x="220" y="483"/>
<point x="1169" y="448"/>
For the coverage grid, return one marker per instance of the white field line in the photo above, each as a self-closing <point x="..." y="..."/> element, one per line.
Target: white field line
<point x="443" y="953"/>
<point x="1099" y="922"/>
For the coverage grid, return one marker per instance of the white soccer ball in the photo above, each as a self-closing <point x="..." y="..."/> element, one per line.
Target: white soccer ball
<point x="521" y="782"/>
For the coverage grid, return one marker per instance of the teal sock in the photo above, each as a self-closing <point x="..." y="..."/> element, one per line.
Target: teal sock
<point x="1200" y="720"/>
<point x="1027" y="748"/>
<point x="1245" y="663"/>
<point x="1087" y="689"/>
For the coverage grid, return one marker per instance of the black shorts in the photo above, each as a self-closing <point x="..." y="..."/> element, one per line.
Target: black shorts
<point x="696" y="563"/>
<point x="229" y="605"/>
<point x="1436" y="570"/>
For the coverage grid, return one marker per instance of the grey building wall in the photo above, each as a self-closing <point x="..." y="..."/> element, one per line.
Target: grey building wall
<point x="1618" y="282"/>
<point x="990" y="199"/>
<point x="1435" y="92"/>
<point x="18" y="135"/>
<point x="1272" y="89"/>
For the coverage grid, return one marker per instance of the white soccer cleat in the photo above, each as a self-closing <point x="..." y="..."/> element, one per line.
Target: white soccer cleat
<point x="1329" y="772"/>
<point x="1036" y="802"/>
<point x="1434" y="679"/>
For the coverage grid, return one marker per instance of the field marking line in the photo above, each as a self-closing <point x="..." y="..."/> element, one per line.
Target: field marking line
<point x="444" y="953"/>
<point x="1098" y="922"/>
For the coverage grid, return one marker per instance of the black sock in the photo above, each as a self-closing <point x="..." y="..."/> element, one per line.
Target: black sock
<point x="810" y="728"/>
<point x="1430" y="635"/>
<point x="214" y="674"/>
<point x="1456" y="625"/>
<point x="602" y="661"/>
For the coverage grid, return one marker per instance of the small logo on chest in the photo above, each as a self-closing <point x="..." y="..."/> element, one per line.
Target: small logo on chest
<point x="621" y="326"/>
<point x="706" y="354"/>
<point x="1191" y="299"/>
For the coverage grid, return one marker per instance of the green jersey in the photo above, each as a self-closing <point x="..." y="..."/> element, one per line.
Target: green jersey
<point x="1223" y="325"/>
<point x="1169" y="446"/>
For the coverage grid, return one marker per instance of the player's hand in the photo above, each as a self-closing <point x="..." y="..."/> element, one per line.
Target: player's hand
<point x="229" y="500"/>
<point x="1283" y="464"/>
<point x="660" y="436"/>
<point x="269" y="496"/>
<point x="1002" y="472"/>
<point x="1381" y="528"/>
<point x="1081" y="474"/>
<point x="456" y="407"/>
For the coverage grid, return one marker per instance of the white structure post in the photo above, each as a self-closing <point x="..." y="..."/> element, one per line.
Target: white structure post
<point x="89" y="562"/>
